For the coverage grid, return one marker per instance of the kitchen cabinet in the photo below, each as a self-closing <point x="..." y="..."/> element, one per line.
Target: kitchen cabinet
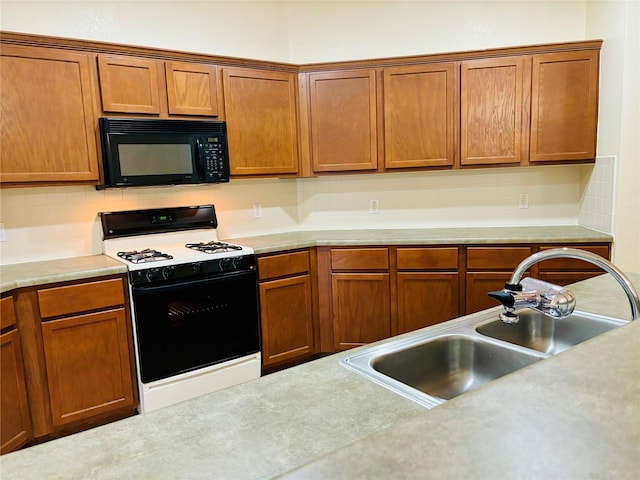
<point x="428" y="286"/>
<point x="564" y="103"/>
<point x="343" y="120"/>
<point x="563" y="271"/>
<point x="87" y="355"/>
<point x="78" y="354"/>
<point x="48" y="128"/>
<point x="261" y="114"/>
<point x="286" y="307"/>
<point x="360" y="298"/>
<point x="420" y="115"/>
<point x="15" y="426"/>
<point x="487" y="269"/>
<point x="147" y="86"/>
<point x="494" y="124"/>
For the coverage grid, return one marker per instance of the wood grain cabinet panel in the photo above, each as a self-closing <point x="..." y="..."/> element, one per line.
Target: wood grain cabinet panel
<point x="286" y="319"/>
<point x="493" y="128"/>
<point x="286" y="307"/>
<point x="87" y="364"/>
<point x="419" y="115"/>
<point x="343" y="120"/>
<point x="15" y="420"/>
<point x="260" y="109"/>
<point x="564" y="102"/>
<point x="81" y="297"/>
<point x="129" y="84"/>
<point x="361" y="308"/>
<point x="47" y="93"/>
<point x="192" y="89"/>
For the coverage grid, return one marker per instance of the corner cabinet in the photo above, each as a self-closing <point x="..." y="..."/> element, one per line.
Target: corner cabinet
<point x="564" y="104"/>
<point x="155" y="87"/>
<point x="47" y="93"/>
<point x="15" y="427"/>
<point x="262" y="127"/>
<point x="343" y="120"/>
<point x="286" y="307"/>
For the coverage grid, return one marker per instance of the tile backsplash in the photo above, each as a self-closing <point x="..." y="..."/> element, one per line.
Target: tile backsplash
<point x="61" y="221"/>
<point x="597" y="206"/>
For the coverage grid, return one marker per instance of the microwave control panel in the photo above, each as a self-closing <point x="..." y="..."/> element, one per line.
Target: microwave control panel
<point x="215" y="165"/>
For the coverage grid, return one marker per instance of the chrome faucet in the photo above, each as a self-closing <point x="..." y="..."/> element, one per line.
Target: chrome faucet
<point x="550" y="299"/>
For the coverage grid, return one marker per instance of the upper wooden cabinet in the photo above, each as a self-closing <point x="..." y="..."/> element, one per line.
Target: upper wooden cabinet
<point x="420" y="115"/>
<point x="493" y="124"/>
<point x="260" y="110"/>
<point x="343" y="120"/>
<point x="139" y="86"/>
<point x="564" y="103"/>
<point x="48" y="128"/>
<point x="191" y="89"/>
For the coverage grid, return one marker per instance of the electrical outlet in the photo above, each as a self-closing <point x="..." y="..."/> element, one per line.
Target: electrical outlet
<point x="3" y="236"/>
<point x="523" y="200"/>
<point x="374" y="206"/>
<point x="257" y="210"/>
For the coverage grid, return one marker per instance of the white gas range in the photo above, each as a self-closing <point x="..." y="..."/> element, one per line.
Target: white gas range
<point x="193" y="301"/>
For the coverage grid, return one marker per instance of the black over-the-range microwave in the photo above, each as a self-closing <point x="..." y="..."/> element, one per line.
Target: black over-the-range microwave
<point x="143" y="152"/>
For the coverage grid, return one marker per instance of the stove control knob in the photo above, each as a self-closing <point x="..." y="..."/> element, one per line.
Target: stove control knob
<point x="196" y="267"/>
<point x="237" y="262"/>
<point x="152" y="274"/>
<point x="225" y="264"/>
<point x="167" y="272"/>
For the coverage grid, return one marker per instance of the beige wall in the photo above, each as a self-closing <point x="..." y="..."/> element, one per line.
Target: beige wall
<point x="61" y="221"/>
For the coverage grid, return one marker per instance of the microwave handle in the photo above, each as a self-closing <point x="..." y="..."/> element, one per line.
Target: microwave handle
<point x="199" y="158"/>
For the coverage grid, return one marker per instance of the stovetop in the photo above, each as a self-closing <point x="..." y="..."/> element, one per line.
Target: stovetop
<point x="158" y="238"/>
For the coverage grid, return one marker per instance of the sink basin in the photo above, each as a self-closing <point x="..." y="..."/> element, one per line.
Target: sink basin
<point x="549" y="335"/>
<point x="430" y="369"/>
<point x="451" y="365"/>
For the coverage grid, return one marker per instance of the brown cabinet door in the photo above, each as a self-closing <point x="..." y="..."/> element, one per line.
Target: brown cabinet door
<point x="343" y="120"/>
<point x="419" y="115"/>
<point x="286" y="318"/>
<point x="48" y="123"/>
<point x="15" y="427"/>
<point x="191" y="89"/>
<point x="361" y="308"/>
<point x="492" y="128"/>
<point x="129" y="84"/>
<point x="479" y="284"/>
<point x="260" y="110"/>
<point x="426" y="298"/>
<point x="564" y="103"/>
<point x="88" y="365"/>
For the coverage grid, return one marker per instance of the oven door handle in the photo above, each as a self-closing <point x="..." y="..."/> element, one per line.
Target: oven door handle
<point x="170" y="287"/>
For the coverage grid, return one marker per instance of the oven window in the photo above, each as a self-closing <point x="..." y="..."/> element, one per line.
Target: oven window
<point x="195" y="324"/>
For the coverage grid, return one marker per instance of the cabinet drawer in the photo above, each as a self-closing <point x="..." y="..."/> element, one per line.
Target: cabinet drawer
<point x="80" y="297"/>
<point x="360" y="259"/>
<point x="570" y="264"/>
<point x="445" y="258"/>
<point x="283" y="265"/>
<point x="496" y="258"/>
<point x="7" y="313"/>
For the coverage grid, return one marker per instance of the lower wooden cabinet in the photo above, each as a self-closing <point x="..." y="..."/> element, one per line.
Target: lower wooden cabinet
<point x="15" y="426"/>
<point x="74" y="345"/>
<point x="286" y="307"/>
<point x="361" y="308"/>
<point x="88" y="365"/>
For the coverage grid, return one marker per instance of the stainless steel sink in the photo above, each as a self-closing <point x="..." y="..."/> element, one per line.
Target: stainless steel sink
<point x="438" y="363"/>
<point x="451" y="365"/>
<point x="549" y="335"/>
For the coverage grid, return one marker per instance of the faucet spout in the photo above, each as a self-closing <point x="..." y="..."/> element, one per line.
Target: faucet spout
<point x="551" y="299"/>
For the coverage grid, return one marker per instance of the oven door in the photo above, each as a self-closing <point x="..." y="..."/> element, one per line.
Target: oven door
<point x="192" y="324"/>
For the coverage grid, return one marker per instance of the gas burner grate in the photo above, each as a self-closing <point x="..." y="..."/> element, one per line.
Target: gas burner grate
<point x="213" y="247"/>
<point x="144" y="256"/>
